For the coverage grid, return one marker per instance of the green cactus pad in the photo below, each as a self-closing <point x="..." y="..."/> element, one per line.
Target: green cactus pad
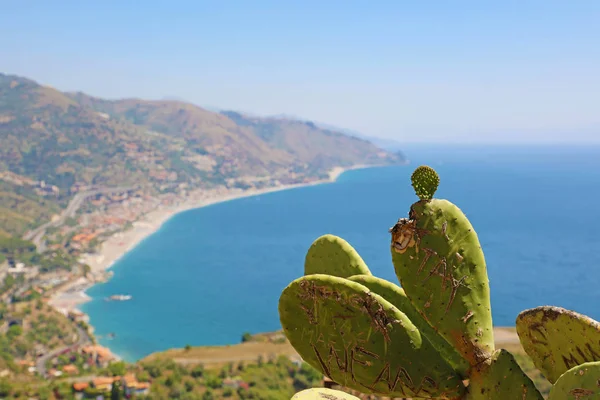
<point x="441" y="267"/>
<point x="501" y="378"/>
<point x="425" y="181"/>
<point x="323" y="394"/>
<point x="332" y="255"/>
<point x="395" y="295"/>
<point x="579" y="383"/>
<point x="361" y="341"/>
<point x="557" y="339"/>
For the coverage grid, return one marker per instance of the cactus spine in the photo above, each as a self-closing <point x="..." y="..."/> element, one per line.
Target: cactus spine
<point x="430" y="339"/>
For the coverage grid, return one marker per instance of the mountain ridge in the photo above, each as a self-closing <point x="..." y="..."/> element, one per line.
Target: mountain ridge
<point x="70" y="140"/>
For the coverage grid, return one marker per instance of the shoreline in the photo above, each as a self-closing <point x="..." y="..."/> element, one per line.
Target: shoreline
<point x="113" y="249"/>
<point x="217" y="355"/>
<point x="70" y="298"/>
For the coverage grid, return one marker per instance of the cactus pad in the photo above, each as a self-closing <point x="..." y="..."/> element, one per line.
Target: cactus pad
<point x="361" y="341"/>
<point x="395" y="295"/>
<point x="579" y="383"/>
<point x="425" y="181"/>
<point x="332" y="255"/>
<point x="441" y="267"/>
<point x="501" y="378"/>
<point x="558" y="340"/>
<point x="323" y="394"/>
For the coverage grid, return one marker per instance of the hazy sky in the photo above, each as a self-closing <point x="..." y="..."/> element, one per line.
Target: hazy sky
<point x="454" y="71"/>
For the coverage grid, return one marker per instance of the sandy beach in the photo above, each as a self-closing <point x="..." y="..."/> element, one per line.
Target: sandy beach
<point x="71" y="296"/>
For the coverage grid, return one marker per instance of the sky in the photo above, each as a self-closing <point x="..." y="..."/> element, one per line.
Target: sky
<point x="416" y="71"/>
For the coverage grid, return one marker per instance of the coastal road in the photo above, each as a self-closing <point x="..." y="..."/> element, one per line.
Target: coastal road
<point x="83" y="339"/>
<point x="38" y="233"/>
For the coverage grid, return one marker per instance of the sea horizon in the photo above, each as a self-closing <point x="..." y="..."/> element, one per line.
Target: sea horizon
<point x="545" y="164"/>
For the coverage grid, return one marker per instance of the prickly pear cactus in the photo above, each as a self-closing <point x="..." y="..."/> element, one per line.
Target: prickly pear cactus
<point x="323" y="394"/>
<point x="430" y="339"/>
<point x="332" y="255"/>
<point x="425" y="181"/>
<point x="557" y="339"/>
<point x="361" y="341"/>
<point x="441" y="267"/>
<point x="395" y="295"/>
<point x="579" y="383"/>
<point x="501" y="378"/>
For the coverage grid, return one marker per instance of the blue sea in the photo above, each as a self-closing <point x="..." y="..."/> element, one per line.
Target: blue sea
<point x="211" y="274"/>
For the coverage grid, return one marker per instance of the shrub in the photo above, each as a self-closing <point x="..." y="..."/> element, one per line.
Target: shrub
<point x="198" y="371"/>
<point x="246" y="337"/>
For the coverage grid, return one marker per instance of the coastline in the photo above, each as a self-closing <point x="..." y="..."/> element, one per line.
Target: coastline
<point x="71" y="297"/>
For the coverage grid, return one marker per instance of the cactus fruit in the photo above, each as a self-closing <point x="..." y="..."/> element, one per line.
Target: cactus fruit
<point x="395" y="295"/>
<point x="501" y="378"/>
<point x="362" y="341"/>
<point x="323" y="394"/>
<point x="558" y="340"/>
<point x="579" y="383"/>
<point x="425" y="181"/>
<point x="441" y="267"/>
<point x="430" y="339"/>
<point x="332" y="255"/>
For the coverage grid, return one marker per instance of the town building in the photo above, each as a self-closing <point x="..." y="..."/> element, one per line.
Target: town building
<point x="98" y="355"/>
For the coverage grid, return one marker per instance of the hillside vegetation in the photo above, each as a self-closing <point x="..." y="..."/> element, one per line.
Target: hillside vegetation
<point x="53" y="144"/>
<point x="21" y="208"/>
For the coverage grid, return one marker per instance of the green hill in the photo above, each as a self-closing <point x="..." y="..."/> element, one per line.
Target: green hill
<point x="246" y="145"/>
<point x="52" y="143"/>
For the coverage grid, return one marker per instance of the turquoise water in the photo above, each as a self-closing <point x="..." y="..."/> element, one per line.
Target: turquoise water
<point x="211" y="274"/>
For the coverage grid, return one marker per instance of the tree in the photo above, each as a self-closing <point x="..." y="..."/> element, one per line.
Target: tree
<point x="208" y="395"/>
<point x="154" y="370"/>
<point x="14" y="331"/>
<point x="9" y="281"/>
<point x="175" y="392"/>
<point x="16" y="246"/>
<point x="188" y="347"/>
<point x="213" y="382"/>
<point x="70" y="221"/>
<point x="169" y="381"/>
<point x="198" y="371"/>
<point x="116" y="393"/>
<point x="301" y="382"/>
<point x="5" y="388"/>
<point x="311" y="373"/>
<point x="246" y="337"/>
<point x="22" y="348"/>
<point x="117" y="368"/>
<point x="64" y="390"/>
<point x="44" y="393"/>
<point x="143" y="376"/>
